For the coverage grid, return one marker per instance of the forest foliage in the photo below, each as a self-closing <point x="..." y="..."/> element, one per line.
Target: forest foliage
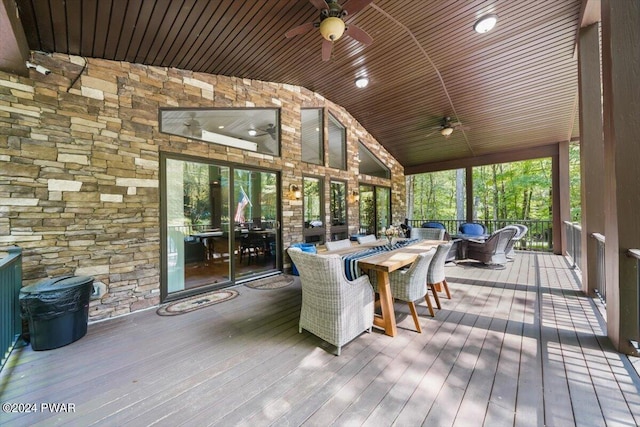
<point x="507" y="191"/>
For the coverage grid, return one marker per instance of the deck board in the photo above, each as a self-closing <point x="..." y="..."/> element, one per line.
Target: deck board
<point x="520" y="346"/>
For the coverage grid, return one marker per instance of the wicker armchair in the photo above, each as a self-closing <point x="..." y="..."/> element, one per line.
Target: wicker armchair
<point x="333" y="308"/>
<point x="410" y="284"/>
<point x="492" y="250"/>
<point x="510" y="251"/>
<point x="435" y="274"/>
<point x="428" y="233"/>
<point x="338" y="244"/>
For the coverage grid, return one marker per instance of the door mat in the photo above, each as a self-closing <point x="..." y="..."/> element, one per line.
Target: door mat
<point x="194" y="303"/>
<point x="272" y="282"/>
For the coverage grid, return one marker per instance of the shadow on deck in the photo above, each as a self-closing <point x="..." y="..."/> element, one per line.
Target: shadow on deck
<point x="519" y="346"/>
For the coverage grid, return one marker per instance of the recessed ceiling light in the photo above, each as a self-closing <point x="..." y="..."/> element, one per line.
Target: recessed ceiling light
<point x="362" y="82"/>
<point x="252" y="132"/>
<point x="485" y="23"/>
<point x="221" y="127"/>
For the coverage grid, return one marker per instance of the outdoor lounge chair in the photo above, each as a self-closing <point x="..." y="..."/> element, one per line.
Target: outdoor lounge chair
<point x="338" y="244"/>
<point x="333" y="308"/>
<point x="410" y="284"/>
<point x="510" y="251"/>
<point x="492" y="250"/>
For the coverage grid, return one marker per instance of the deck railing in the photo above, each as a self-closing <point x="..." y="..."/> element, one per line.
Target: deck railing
<point x="10" y="283"/>
<point x="574" y="242"/>
<point x="538" y="238"/>
<point x="635" y="253"/>
<point x="601" y="278"/>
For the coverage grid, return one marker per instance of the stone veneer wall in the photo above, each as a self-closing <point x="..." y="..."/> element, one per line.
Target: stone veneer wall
<point x="79" y="166"/>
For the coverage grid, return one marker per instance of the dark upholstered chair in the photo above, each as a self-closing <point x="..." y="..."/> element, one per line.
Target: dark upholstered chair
<point x="492" y="250"/>
<point x="194" y="250"/>
<point x="472" y="229"/>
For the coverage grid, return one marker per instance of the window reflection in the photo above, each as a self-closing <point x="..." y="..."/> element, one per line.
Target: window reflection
<point x="312" y="203"/>
<point x="337" y="144"/>
<point x="370" y="164"/>
<point x="311" y="136"/>
<point x="375" y="208"/>
<point x="251" y="129"/>
<point x="338" y="203"/>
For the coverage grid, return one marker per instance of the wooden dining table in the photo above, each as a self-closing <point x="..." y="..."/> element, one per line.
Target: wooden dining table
<point x="383" y="263"/>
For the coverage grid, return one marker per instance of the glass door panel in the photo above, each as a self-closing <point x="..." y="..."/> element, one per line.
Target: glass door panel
<point x="367" y="210"/>
<point x="255" y="220"/>
<point x="196" y="203"/>
<point x="383" y="207"/>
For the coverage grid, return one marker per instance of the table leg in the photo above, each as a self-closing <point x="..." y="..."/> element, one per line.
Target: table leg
<point x="388" y="319"/>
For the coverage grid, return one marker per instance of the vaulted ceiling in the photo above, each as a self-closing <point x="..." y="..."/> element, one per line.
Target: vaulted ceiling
<point x="512" y="88"/>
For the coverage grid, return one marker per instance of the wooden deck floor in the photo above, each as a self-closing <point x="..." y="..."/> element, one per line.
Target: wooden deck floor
<point x="520" y="346"/>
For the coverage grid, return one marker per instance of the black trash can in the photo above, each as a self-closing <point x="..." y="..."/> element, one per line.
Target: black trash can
<point x="57" y="310"/>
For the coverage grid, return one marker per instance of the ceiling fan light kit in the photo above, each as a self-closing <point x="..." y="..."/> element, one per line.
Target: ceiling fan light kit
<point x="332" y="25"/>
<point x="485" y="23"/>
<point x="446" y="131"/>
<point x="332" y="28"/>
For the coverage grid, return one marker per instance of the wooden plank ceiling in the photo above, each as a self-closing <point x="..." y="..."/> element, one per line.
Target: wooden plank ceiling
<point x="514" y="87"/>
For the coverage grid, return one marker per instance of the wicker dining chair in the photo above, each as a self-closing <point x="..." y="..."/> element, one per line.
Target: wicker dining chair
<point x="333" y="308"/>
<point x="428" y="233"/>
<point x="338" y="244"/>
<point x="369" y="238"/>
<point x="410" y="285"/>
<point x="436" y="275"/>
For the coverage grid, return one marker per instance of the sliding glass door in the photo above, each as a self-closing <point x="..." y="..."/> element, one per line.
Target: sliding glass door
<point x="256" y="222"/>
<point x="220" y="225"/>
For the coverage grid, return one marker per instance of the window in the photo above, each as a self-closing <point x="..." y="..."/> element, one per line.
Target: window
<point x="311" y="136"/>
<point x="251" y="129"/>
<point x="313" y="210"/>
<point x="337" y="144"/>
<point x="370" y="164"/>
<point x="338" y="206"/>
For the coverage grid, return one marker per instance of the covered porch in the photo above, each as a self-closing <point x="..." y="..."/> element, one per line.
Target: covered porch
<point x="519" y="346"/>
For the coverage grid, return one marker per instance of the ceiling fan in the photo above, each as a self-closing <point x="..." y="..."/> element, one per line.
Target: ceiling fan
<point x="332" y="25"/>
<point x="269" y="130"/>
<point x="193" y="126"/>
<point x="447" y="127"/>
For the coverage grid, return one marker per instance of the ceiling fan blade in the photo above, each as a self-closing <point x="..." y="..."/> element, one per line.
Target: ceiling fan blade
<point x="355" y="6"/>
<point x="430" y="133"/>
<point x="358" y="34"/>
<point x="326" y="50"/>
<point x="301" y="29"/>
<point x="319" y="4"/>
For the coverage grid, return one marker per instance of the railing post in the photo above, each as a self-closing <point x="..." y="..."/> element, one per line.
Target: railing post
<point x="10" y="284"/>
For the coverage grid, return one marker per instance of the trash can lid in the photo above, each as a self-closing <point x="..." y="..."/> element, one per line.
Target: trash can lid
<point x="57" y="284"/>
